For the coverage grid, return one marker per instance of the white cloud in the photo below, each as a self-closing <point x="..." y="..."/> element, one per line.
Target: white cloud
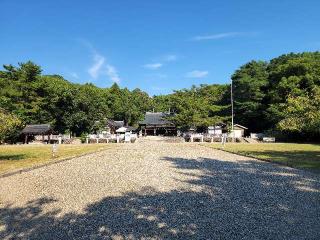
<point x="113" y="73"/>
<point x="98" y="62"/>
<point x="161" y="61"/>
<point x="217" y="36"/>
<point x="170" y="58"/>
<point x="197" y="74"/>
<point x="153" y="66"/>
<point x="100" y="67"/>
<point x="74" y="75"/>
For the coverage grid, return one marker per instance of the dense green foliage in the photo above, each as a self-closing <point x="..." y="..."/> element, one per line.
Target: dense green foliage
<point x="197" y="107"/>
<point x="249" y="85"/>
<point x="276" y="95"/>
<point x="69" y="107"/>
<point x="281" y="95"/>
<point x="302" y="114"/>
<point x="9" y="125"/>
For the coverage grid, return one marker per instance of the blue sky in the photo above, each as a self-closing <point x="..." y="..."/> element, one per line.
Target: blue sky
<point x="156" y="45"/>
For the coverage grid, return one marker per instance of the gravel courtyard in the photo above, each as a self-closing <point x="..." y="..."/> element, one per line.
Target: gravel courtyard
<point x="159" y="190"/>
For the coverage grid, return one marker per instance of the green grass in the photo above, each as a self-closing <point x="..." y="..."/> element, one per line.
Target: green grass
<point x="16" y="157"/>
<point x="305" y="156"/>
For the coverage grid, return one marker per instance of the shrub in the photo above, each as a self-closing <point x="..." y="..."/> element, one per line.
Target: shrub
<point x="10" y="127"/>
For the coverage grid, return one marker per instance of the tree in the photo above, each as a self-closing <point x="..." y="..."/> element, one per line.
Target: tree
<point x="291" y="75"/>
<point x="302" y="115"/>
<point x="198" y="107"/>
<point x="9" y="126"/>
<point x="18" y="90"/>
<point x="249" y="84"/>
<point x="267" y="95"/>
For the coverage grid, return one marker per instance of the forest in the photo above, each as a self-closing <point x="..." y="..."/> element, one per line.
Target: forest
<point x="280" y="97"/>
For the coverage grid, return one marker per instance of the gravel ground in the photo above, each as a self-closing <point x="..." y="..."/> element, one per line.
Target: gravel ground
<point x="158" y="190"/>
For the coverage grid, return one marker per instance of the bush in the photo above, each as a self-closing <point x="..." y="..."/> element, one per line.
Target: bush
<point x="83" y="137"/>
<point x="10" y="127"/>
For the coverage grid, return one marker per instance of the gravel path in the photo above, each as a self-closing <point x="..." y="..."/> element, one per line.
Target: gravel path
<point x="160" y="190"/>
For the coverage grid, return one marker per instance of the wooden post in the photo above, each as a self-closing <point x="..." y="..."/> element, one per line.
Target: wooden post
<point x="54" y="150"/>
<point x="26" y="139"/>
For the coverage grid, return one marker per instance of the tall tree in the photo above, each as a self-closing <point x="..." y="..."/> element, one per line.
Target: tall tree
<point x="18" y="90"/>
<point x="197" y="107"/>
<point x="249" y="85"/>
<point x="290" y="75"/>
<point x="302" y="115"/>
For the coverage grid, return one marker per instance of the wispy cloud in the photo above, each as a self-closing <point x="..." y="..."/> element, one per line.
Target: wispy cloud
<point x="96" y="69"/>
<point x="218" y="36"/>
<point x="100" y="67"/>
<point x="197" y="74"/>
<point x="170" y="58"/>
<point x="112" y="73"/>
<point x="161" y="61"/>
<point x="74" y="75"/>
<point x="153" y="66"/>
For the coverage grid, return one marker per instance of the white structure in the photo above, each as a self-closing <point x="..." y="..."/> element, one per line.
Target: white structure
<point x="215" y="130"/>
<point x="121" y="130"/>
<point x="256" y="135"/>
<point x="127" y="137"/>
<point x="269" y="139"/>
<point x="238" y="131"/>
<point x="196" y="136"/>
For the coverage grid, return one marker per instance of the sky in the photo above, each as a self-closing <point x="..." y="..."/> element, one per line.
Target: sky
<point x="155" y="45"/>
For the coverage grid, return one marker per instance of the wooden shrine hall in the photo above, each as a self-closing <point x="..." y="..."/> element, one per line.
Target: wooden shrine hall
<point x="156" y="123"/>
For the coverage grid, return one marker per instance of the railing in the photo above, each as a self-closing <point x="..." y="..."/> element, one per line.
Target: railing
<point x="112" y="137"/>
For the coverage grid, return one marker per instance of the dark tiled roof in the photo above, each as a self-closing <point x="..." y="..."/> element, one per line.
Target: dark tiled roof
<point x="130" y="128"/>
<point x="116" y="124"/>
<point x="37" y="129"/>
<point x="156" y="118"/>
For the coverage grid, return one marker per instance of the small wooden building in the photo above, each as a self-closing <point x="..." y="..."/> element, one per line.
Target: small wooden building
<point x="113" y="126"/>
<point x="37" y="130"/>
<point x="239" y="131"/>
<point x="156" y="123"/>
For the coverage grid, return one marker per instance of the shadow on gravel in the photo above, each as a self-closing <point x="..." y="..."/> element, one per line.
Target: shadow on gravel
<point x="247" y="200"/>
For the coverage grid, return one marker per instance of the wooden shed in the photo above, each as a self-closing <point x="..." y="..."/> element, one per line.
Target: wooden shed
<point x="239" y="131"/>
<point x="37" y="129"/>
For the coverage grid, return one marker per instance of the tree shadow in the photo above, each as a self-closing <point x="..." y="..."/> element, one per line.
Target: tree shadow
<point x="301" y="159"/>
<point x="238" y="200"/>
<point x="9" y="157"/>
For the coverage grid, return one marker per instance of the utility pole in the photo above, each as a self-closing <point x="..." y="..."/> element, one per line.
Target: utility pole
<point x="232" y="114"/>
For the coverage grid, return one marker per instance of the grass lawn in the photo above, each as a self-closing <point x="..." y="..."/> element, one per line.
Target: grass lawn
<point x="15" y="157"/>
<point x="305" y="156"/>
